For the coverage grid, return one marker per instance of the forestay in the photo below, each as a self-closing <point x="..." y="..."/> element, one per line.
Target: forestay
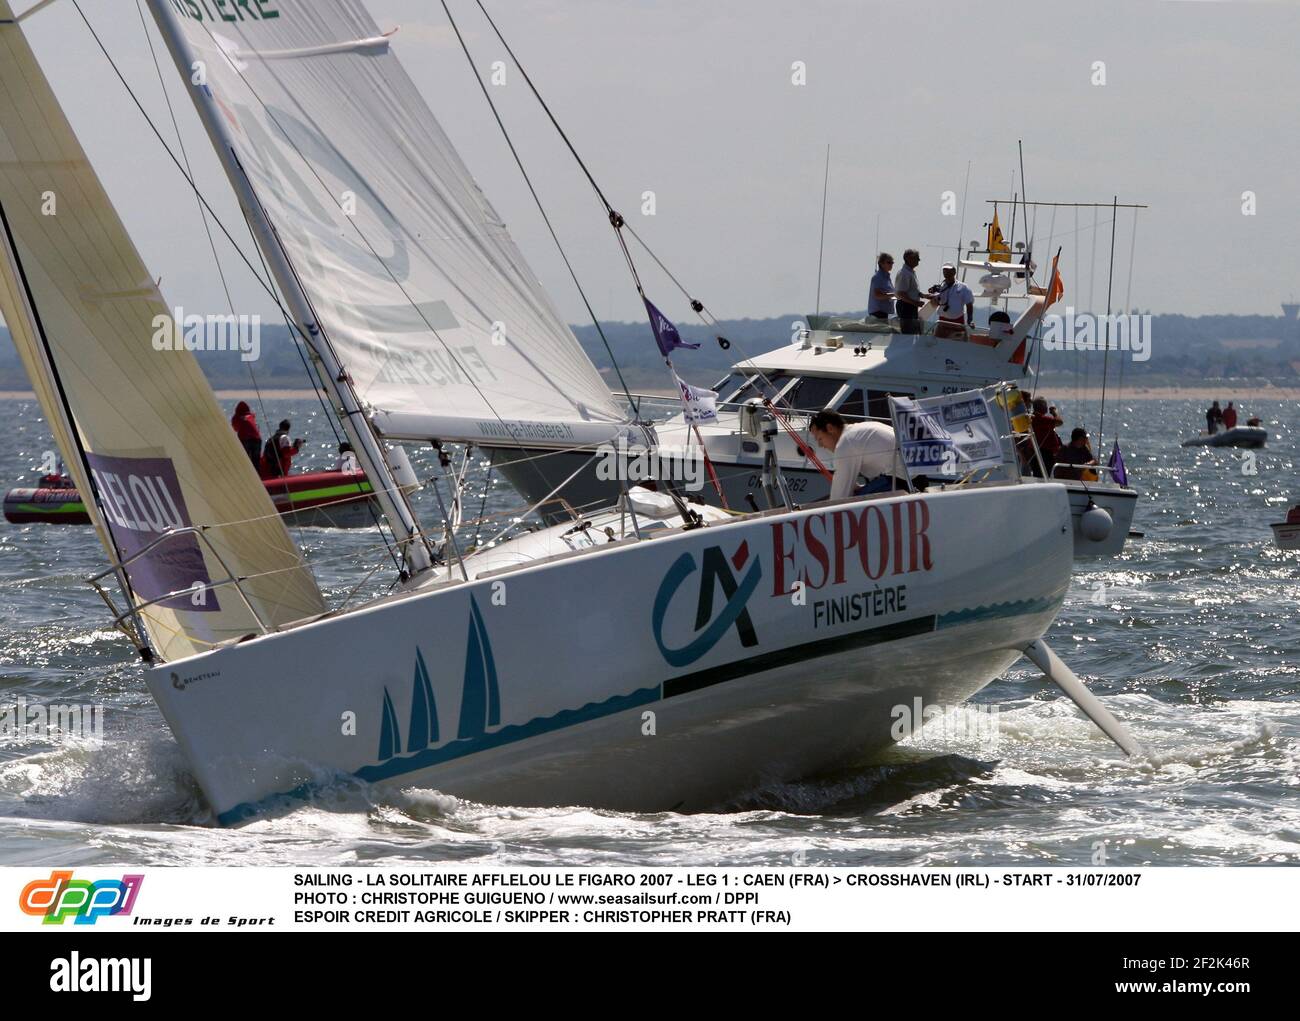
<point x="429" y="304"/>
<point x="159" y="454"/>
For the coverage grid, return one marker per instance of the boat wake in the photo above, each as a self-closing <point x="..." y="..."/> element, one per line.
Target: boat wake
<point x="934" y="799"/>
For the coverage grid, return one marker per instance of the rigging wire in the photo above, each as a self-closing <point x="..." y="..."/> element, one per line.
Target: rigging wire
<point x="619" y="224"/>
<point x="451" y="354"/>
<point x="203" y="215"/>
<point x="189" y="178"/>
<point x="1128" y="306"/>
<point x="616" y="222"/>
<point x="636" y="410"/>
<point x="821" y="244"/>
<point x="1105" y="361"/>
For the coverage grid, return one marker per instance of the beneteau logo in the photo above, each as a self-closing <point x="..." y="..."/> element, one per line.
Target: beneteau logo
<point x="716" y="570"/>
<point x="61" y="897"/>
<point x="181" y="683"/>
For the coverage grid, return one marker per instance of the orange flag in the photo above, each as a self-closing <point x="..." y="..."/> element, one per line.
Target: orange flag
<point x="1056" y="287"/>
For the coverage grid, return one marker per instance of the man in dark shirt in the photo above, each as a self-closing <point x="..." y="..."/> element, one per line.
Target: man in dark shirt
<point x="1077" y="452"/>
<point x="1213" y="418"/>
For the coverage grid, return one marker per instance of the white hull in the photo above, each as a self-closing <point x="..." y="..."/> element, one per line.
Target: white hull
<point x="532" y="685"/>
<point x="1238" y="436"/>
<point x="1287" y="535"/>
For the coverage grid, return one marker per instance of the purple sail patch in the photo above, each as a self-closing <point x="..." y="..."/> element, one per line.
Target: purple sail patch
<point x="141" y="499"/>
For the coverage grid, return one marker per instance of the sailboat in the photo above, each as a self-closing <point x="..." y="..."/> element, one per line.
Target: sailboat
<point x="648" y="655"/>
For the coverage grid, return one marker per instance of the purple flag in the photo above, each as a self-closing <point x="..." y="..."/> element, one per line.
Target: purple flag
<point x="1116" y="463"/>
<point x="666" y="335"/>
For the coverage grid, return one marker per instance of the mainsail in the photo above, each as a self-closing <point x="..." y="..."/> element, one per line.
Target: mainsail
<point x="441" y="325"/>
<point x="139" y="428"/>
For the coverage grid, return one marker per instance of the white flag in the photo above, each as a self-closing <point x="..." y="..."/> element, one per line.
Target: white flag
<point x="698" y="405"/>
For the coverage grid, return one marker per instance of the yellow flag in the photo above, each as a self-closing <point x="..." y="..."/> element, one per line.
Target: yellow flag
<point x="997" y="245"/>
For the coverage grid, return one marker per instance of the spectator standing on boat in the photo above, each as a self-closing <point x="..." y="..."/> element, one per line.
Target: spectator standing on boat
<point x="1077" y="452"/>
<point x="881" y="302"/>
<point x="279" y="452"/>
<point x="869" y="449"/>
<point x="956" y="304"/>
<point x="244" y="422"/>
<point x="908" y="300"/>
<point x="1045" y="422"/>
<point x="347" y="459"/>
<point x="1213" y="418"/>
<point x="1229" y="417"/>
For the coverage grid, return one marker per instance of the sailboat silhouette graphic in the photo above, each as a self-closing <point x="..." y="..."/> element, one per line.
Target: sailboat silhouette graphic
<point x="424" y="710"/>
<point x="480" y="702"/>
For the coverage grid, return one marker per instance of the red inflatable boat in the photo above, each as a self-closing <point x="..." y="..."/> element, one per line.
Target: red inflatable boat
<point x="311" y="500"/>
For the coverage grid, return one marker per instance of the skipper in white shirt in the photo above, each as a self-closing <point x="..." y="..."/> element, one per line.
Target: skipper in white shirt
<point x="956" y="305"/>
<point x="869" y="449"/>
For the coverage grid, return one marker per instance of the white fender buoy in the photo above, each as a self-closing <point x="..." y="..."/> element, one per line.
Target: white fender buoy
<point x="1095" y="523"/>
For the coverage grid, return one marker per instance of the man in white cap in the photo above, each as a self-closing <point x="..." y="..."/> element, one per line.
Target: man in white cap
<point x="956" y="305"/>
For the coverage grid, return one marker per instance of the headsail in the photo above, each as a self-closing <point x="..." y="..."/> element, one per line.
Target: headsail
<point x="442" y="326"/>
<point x="145" y="437"/>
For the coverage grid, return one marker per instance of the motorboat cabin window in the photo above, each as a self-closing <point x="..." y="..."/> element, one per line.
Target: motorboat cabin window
<point x="812" y="393"/>
<point x="853" y="407"/>
<point x="726" y="388"/>
<point x="768" y="385"/>
<point x="875" y="406"/>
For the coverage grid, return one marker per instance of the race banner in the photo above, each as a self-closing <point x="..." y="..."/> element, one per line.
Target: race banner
<point x="948" y="436"/>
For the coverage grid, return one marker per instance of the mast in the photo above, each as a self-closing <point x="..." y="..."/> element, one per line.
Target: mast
<point x="369" y="448"/>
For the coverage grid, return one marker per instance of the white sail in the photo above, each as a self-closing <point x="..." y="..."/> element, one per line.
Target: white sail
<point x="139" y="428"/>
<point x="442" y="326"/>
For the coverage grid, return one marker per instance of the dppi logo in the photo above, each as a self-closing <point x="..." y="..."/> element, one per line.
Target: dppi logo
<point x="716" y="570"/>
<point x="61" y="897"/>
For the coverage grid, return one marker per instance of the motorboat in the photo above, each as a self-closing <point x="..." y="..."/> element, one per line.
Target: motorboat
<point x="850" y="366"/>
<point x="328" y="499"/>
<point x="1248" y="436"/>
<point x="1287" y="533"/>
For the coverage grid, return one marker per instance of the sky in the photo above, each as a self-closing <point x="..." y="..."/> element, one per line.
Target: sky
<point x="1182" y="105"/>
